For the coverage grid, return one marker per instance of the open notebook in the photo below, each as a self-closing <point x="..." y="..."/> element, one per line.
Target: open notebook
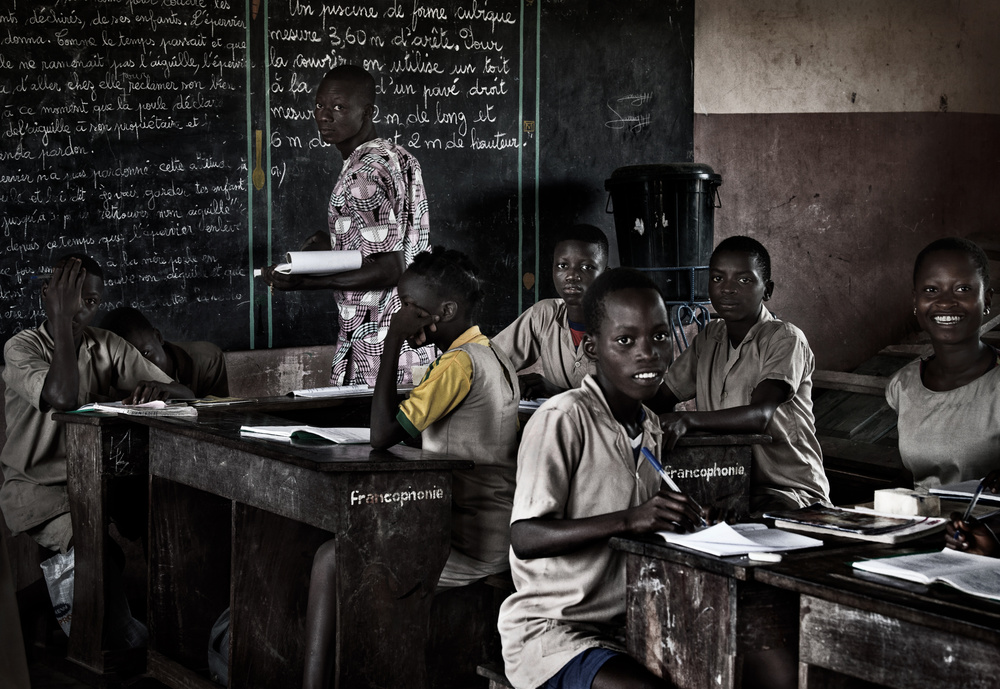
<point x="977" y="575"/>
<point x="346" y="436"/>
<point x="739" y="539"/>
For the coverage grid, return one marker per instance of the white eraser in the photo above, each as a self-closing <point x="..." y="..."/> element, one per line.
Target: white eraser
<point x="906" y="502"/>
<point x="764" y="557"/>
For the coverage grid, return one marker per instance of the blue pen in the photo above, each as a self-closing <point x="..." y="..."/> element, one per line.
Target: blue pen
<point x="669" y="481"/>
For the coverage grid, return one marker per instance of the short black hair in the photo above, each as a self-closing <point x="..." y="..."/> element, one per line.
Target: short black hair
<point x="126" y="321"/>
<point x="451" y="274"/>
<point x="609" y="282"/>
<point x="357" y="77"/>
<point x="86" y="262"/>
<point x="747" y="245"/>
<point x="588" y="234"/>
<point x="967" y="246"/>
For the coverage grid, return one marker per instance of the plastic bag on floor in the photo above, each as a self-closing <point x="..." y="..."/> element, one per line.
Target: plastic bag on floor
<point x="58" y="571"/>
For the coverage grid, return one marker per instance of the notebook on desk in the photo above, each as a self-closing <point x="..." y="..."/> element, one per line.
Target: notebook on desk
<point x="965" y="491"/>
<point x="344" y="436"/>
<point x="976" y="575"/>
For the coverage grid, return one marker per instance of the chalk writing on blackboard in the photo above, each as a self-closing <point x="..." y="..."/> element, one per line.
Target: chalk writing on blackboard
<point x="118" y="140"/>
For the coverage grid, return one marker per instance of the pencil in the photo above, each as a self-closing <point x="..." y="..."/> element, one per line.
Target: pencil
<point x="669" y="481"/>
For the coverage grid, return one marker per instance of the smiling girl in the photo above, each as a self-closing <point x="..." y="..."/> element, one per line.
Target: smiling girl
<point x="949" y="403"/>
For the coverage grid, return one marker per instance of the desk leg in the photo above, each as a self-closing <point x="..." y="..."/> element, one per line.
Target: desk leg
<point x="97" y="455"/>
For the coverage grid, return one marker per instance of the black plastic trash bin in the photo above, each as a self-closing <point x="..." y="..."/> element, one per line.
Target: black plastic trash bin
<point x="665" y="221"/>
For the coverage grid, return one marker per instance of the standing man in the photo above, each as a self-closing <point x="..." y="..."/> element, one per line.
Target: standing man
<point x="379" y="207"/>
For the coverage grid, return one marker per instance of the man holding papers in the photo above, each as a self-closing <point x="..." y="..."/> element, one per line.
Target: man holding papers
<point x="379" y="208"/>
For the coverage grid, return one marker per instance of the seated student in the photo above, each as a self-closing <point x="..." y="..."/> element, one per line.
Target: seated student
<point x="949" y="404"/>
<point x="466" y="405"/>
<point x="200" y="366"/>
<point x="59" y="366"/>
<point x="580" y="481"/>
<point x="551" y="331"/>
<point x="751" y="373"/>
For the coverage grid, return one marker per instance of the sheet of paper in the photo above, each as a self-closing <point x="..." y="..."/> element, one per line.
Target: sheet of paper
<point x="319" y="262"/>
<point x="725" y="540"/>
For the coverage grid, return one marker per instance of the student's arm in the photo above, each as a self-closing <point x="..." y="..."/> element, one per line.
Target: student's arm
<point x="149" y="390"/>
<point x="380" y="271"/>
<point x="548" y="537"/>
<point x="407" y="324"/>
<point x="750" y="418"/>
<point x="62" y="300"/>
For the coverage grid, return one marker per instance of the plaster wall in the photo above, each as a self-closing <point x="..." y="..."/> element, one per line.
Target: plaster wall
<point x="845" y="195"/>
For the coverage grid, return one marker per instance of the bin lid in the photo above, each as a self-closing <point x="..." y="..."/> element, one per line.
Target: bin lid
<point x="662" y="171"/>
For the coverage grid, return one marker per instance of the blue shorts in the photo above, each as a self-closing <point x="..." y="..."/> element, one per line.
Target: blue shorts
<point x="579" y="673"/>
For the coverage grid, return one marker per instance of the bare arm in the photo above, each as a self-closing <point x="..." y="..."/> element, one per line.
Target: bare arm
<point x="382" y="271"/>
<point x="547" y="537"/>
<point x="407" y="324"/>
<point x="63" y="300"/>
<point x="749" y="418"/>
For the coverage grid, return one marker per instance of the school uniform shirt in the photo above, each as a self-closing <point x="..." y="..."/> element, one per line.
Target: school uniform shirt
<point x="789" y="470"/>
<point x="542" y="333"/>
<point x="201" y="366"/>
<point x="466" y="406"/>
<point x="947" y="436"/>
<point x="34" y="456"/>
<point x="575" y="461"/>
<point x="378" y="205"/>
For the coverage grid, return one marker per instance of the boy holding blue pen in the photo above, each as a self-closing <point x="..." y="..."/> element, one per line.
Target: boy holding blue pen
<point x="581" y="479"/>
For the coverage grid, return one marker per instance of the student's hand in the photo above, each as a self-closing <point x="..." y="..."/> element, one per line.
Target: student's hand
<point x="665" y="511"/>
<point x="411" y="323"/>
<point x="674" y="426"/>
<point x="970" y="537"/>
<point x="535" y="386"/>
<point x="149" y="390"/>
<point x="992" y="482"/>
<point x="62" y="295"/>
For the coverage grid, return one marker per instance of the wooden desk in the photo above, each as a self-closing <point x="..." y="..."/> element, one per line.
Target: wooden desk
<point x="235" y="523"/>
<point x="858" y="629"/>
<point x="105" y="450"/>
<point x="693" y="618"/>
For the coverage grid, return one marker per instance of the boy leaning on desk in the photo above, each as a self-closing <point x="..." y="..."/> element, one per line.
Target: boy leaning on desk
<point x="59" y="366"/>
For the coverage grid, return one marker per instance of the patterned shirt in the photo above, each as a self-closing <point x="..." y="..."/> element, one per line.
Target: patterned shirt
<point x="378" y="205"/>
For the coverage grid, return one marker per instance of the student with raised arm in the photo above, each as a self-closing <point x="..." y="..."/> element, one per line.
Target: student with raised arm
<point x="378" y="207"/>
<point x="551" y="331"/>
<point x="581" y="479"/>
<point x="59" y="366"/>
<point x="200" y="366"/>
<point x="751" y="373"/>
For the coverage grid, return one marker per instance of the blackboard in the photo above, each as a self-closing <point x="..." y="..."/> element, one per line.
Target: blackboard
<point x="122" y="138"/>
<point x="132" y="130"/>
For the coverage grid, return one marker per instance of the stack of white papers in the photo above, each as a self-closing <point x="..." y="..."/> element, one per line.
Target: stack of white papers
<point x="334" y="391"/>
<point x="347" y="436"/>
<point x="724" y="540"/>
